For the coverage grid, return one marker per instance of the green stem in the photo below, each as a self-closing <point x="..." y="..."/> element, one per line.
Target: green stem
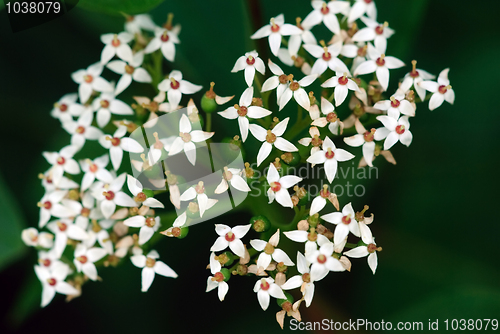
<point x="209" y="122"/>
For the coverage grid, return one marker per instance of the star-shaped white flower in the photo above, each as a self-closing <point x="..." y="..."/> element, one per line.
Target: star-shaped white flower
<point x="249" y="62"/>
<point x="165" y="40"/>
<point x="116" y="44"/>
<point x="266" y="288"/>
<point x="278" y="186"/>
<point x="270" y="252"/>
<point x="295" y="89"/>
<point x="394" y="131"/>
<point x="361" y="7"/>
<point x="89" y="80"/>
<point x="107" y="104"/>
<point x="85" y="259"/>
<point x="364" y="138"/>
<point x="81" y="130"/>
<point x="345" y="222"/>
<point x="244" y="111"/>
<point x="49" y="259"/>
<point x="129" y="72"/>
<point x="441" y="90"/>
<point x="319" y="202"/>
<point x="327" y="13"/>
<point x="33" y="238"/>
<point x="322" y="261"/>
<point x="110" y="195"/>
<point x="148" y="226"/>
<point x="136" y="188"/>
<point x="62" y="161"/>
<point x="306" y="237"/>
<point x="63" y="230"/>
<point x="303" y="281"/>
<point x="66" y="108"/>
<point x="275" y="31"/>
<point x="413" y="79"/>
<point x="53" y="281"/>
<point x="187" y="138"/>
<point x="374" y="31"/>
<point x="330" y="155"/>
<point x="230" y="237"/>
<point x="117" y="144"/>
<point x="378" y="63"/>
<point x="97" y="232"/>
<point x="330" y="118"/>
<point x="95" y="169"/>
<point x="175" y="86"/>
<point x="396" y="106"/>
<point x="342" y="85"/>
<point x="315" y="141"/>
<point x="151" y="266"/>
<point x="279" y="81"/>
<point x="326" y="57"/>
<point x="198" y="192"/>
<point x="50" y="205"/>
<point x="369" y="250"/>
<point x="217" y="281"/>
<point x="232" y="176"/>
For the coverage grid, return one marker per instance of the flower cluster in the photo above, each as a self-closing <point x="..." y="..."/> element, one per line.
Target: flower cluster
<point x="96" y="212"/>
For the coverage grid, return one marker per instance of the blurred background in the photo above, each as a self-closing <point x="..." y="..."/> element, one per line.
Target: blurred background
<point x="434" y="211"/>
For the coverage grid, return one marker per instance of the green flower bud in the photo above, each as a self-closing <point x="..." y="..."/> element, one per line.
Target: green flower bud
<point x="313" y="220"/>
<point x="289" y="298"/>
<point x="260" y="223"/>
<point x="226" y="273"/>
<point x="208" y="103"/>
<point x="291" y="158"/>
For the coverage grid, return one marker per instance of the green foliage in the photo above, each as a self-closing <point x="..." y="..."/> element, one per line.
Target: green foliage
<point x="114" y="7"/>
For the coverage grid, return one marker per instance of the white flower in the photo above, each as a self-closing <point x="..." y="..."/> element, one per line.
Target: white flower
<point x="394" y="131"/>
<point x="315" y="140"/>
<point x="85" y="259"/>
<point x="361" y="7"/>
<point x="175" y="86"/>
<point x="279" y="80"/>
<point x="244" y="111"/>
<point x="97" y="233"/>
<point x="363" y="138"/>
<point x="249" y="62"/>
<point x="278" y="186"/>
<point x="345" y="222"/>
<point x="396" y="106"/>
<point x="414" y="78"/>
<point x="32" y="237"/>
<point x="330" y="156"/>
<point x="49" y="259"/>
<point x="95" y="169"/>
<point x="49" y="186"/>
<point x="110" y="195"/>
<point x="107" y="104"/>
<point x="65" y="229"/>
<point x="151" y="267"/>
<point x="379" y="33"/>
<point x="90" y="79"/>
<point x="232" y="176"/>
<point x="330" y="118"/>
<point x="116" y="44"/>
<point x="304" y="280"/>
<point x="166" y="40"/>
<point x="326" y="57"/>
<point x="81" y="130"/>
<point x="187" y="138"/>
<point x="230" y="237"/>
<point x="322" y="261"/>
<point x="299" y="94"/>
<point x="148" y="226"/>
<point x="117" y="144"/>
<point x="198" y="192"/>
<point x="306" y="237"/>
<point x="441" y="90"/>
<point x="270" y="252"/>
<point x="326" y="13"/>
<point x="50" y="206"/>
<point x="380" y="64"/>
<point x="369" y="250"/>
<point x="296" y="40"/>
<point x="265" y="287"/>
<point x="136" y="188"/>
<point x="82" y="211"/>
<point x="53" y="281"/>
<point x="319" y="202"/>
<point x="129" y="72"/>
<point x="216" y="281"/>
<point x="62" y="162"/>
<point x="342" y="85"/>
<point x="276" y="30"/>
<point x="135" y="23"/>
<point x="66" y="108"/>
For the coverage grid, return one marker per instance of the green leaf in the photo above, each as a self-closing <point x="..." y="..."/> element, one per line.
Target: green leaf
<point x="115" y="7"/>
<point x="11" y="226"/>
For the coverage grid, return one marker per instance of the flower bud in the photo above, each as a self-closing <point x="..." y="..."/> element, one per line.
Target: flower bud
<point x="289" y="298"/>
<point x="313" y="220"/>
<point x="208" y="103"/>
<point x="260" y="223"/>
<point x="291" y="158"/>
<point x="226" y="273"/>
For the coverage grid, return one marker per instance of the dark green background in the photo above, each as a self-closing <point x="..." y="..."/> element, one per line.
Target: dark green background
<point x="435" y="211"/>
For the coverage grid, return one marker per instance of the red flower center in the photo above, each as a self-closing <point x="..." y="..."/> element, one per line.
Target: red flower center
<point x="85" y="212"/>
<point x="379" y="30"/>
<point x="250" y="60"/>
<point x="362" y="51"/>
<point x="400" y="129"/>
<point x="369" y="136"/>
<point x="63" y="107"/>
<point x="46" y="262"/>
<point x="368" y="1"/>
<point x="329" y="154"/>
<point x="115" y="141"/>
<point x="275" y="186"/>
<point x="47" y="205"/>
<point x="83" y="259"/>
<point x="327" y="56"/>
<point x="414" y="74"/>
<point x="343" y="80"/>
<point x="275" y="28"/>
<point x="331" y="117"/>
<point x="372" y="248"/>
<point x="242" y="111"/>
<point x="219" y="277"/>
<point x="104" y="104"/>
<point x="321" y="258"/>
<point x="442" y="89"/>
<point x="164" y="37"/>
<point x="141" y="197"/>
<point x="62" y="226"/>
<point x="325" y="193"/>
<point x="325" y="10"/>
<point x="265" y="285"/>
<point x="395" y="103"/>
<point x="93" y="168"/>
<point x="380" y="61"/>
<point x="150" y="222"/>
<point x="61" y="160"/>
<point x="175" y="84"/>
<point x="88" y="78"/>
<point x="306" y="277"/>
<point x="230" y="236"/>
<point x="129" y="69"/>
<point x="346" y="220"/>
<point x="52" y="281"/>
<point x="80" y="130"/>
<point x="109" y="195"/>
